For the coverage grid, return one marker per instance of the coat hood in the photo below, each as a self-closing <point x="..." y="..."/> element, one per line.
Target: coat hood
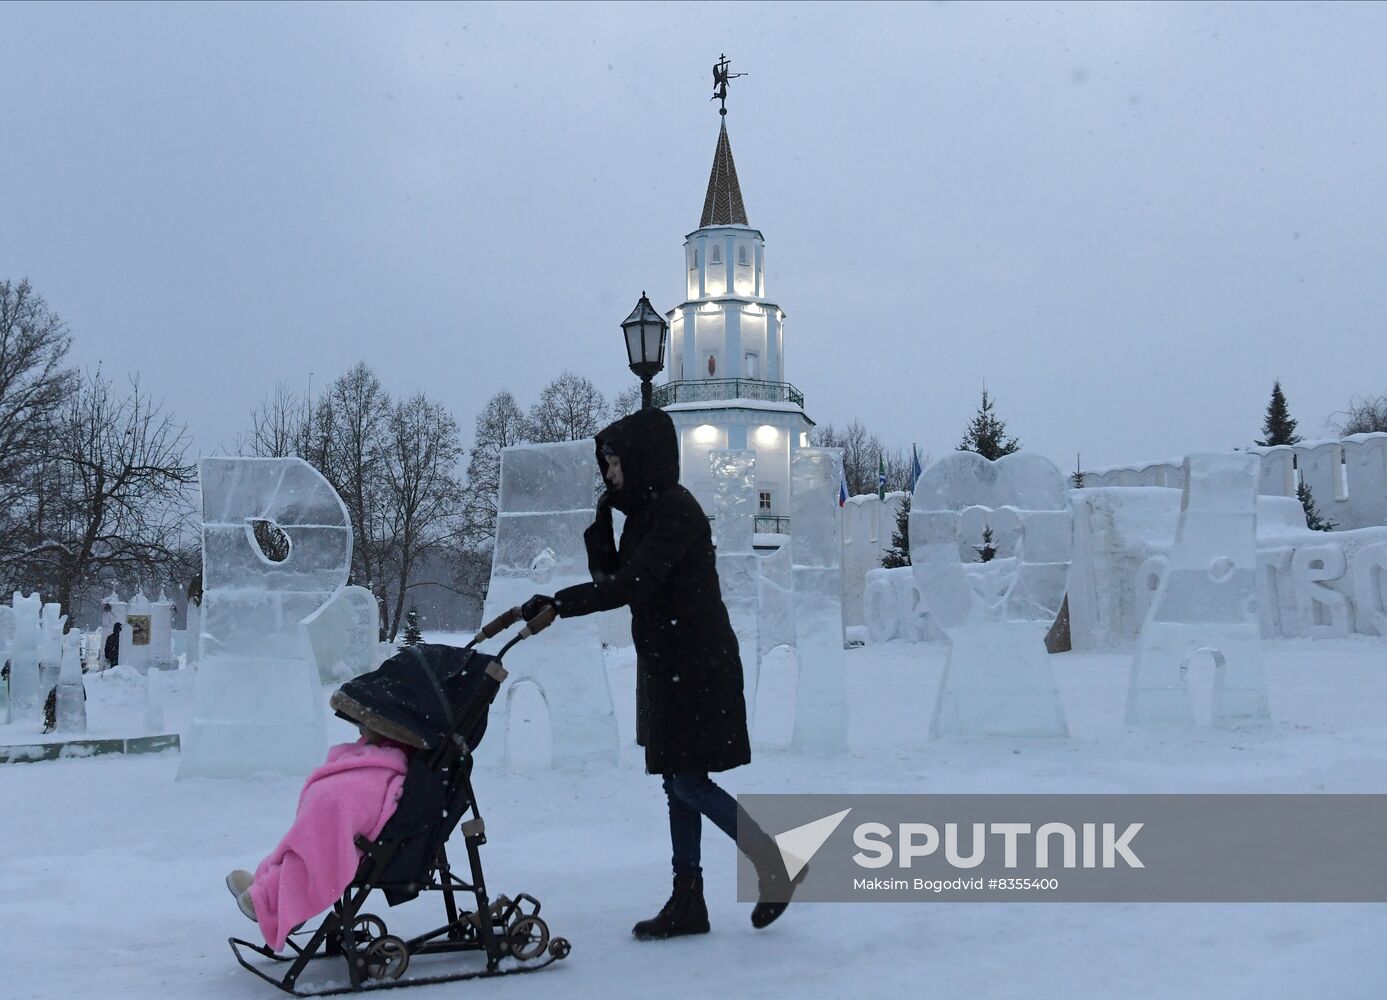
<point x="648" y="447"/>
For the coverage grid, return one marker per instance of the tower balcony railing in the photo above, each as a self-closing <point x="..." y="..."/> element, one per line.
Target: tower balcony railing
<point x="707" y="390"/>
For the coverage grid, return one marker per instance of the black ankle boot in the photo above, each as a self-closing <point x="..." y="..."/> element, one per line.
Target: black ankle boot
<point x="684" y="913"/>
<point x="774" y="888"/>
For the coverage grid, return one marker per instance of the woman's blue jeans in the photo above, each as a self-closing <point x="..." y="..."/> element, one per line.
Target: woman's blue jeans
<point x="691" y="797"/>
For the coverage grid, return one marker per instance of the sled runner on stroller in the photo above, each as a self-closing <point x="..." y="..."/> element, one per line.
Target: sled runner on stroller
<point x="434" y="698"/>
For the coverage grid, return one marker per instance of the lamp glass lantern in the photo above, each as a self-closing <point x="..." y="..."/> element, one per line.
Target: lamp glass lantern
<point x="645" y="331"/>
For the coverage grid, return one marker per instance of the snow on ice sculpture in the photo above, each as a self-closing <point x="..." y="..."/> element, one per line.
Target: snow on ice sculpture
<point x="26" y="695"/>
<point x="545" y="505"/>
<point x="821" y="713"/>
<point x="1323" y="611"/>
<point x="70" y="704"/>
<point x="997" y="679"/>
<point x="344" y="634"/>
<point x="734" y="510"/>
<point x="1207" y="601"/>
<point x="257" y="699"/>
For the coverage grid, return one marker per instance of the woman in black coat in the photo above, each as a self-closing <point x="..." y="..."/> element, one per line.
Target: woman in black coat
<point x="690" y="711"/>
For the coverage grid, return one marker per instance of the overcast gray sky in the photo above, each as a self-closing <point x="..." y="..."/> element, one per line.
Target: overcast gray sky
<point x="1128" y="219"/>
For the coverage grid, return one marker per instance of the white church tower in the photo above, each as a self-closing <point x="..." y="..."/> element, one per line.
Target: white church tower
<point x="726" y="358"/>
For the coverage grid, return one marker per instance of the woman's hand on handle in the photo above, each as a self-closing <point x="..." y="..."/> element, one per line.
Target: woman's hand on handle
<point x="535" y="605"/>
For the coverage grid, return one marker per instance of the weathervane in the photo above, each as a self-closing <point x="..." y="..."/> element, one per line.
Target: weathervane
<point x="720" y="78"/>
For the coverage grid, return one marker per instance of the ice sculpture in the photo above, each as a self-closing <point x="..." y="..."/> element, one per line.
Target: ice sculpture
<point x="1324" y="612"/>
<point x="1370" y="584"/>
<point x="6" y="642"/>
<point x="257" y="698"/>
<point x="1207" y="600"/>
<point x="345" y="634"/>
<point x="161" y="634"/>
<point x="821" y="713"/>
<point x="154" y="703"/>
<point x="997" y="679"/>
<point x="26" y="695"/>
<point x="136" y="651"/>
<point x="734" y="512"/>
<point x="1019" y="496"/>
<point x="194" y="632"/>
<point x="893" y="608"/>
<point x="51" y="624"/>
<point x="70" y="708"/>
<point x="545" y="505"/>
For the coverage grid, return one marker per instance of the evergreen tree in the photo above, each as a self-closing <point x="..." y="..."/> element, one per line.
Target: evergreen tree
<point x="1277" y="425"/>
<point x="986" y="551"/>
<point x="987" y="433"/>
<point x="1313" y="518"/>
<point x="899" y="552"/>
<point x="413" y="636"/>
<point x="1076" y="478"/>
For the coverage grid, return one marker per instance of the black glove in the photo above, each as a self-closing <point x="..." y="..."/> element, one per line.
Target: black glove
<point x="534" y="606"/>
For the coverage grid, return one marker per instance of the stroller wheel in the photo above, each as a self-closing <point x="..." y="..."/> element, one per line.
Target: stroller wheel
<point x="368" y="926"/>
<point x="386" y="958"/>
<point x="559" y="948"/>
<point x="527" y="938"/>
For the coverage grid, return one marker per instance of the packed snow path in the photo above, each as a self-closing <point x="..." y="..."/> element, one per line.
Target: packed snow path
<point x="112" y="878"/>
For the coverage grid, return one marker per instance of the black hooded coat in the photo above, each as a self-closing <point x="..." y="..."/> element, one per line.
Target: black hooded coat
<point x="690" y="711"/>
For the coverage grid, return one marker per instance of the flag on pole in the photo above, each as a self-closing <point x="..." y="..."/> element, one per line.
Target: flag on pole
<point x="842" y="487"/>
<point x="881" y="477"/>
<point x="915" y="470"/>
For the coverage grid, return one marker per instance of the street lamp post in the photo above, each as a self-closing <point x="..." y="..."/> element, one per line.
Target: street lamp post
<point x="645" y="331"/>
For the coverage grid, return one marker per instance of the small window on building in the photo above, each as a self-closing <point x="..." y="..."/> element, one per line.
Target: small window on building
<point x="742" y="255"/>
<point x="693" y="261"/>
<point x="764" y="503"/>
<point x="715" y="256"/>
<point x="752" y="365"/>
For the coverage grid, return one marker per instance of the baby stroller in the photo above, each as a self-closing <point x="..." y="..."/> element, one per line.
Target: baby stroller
<point x="434" y="698"/>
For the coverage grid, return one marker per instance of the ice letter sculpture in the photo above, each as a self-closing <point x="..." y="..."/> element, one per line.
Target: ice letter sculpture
<point x="26" y="694"/>
<point x="70" y="704"/>
<point x="997" y="680"/>
<point x="345" y="635"/>
<point x="1206" y="600"/>
<point x="545" y="505"/>
<point x="734" y="507"/>
<point x="821" y="712"/>
<point x="258" y="703"/>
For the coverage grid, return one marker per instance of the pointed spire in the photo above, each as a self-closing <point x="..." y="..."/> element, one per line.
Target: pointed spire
<point x="723" y="205"/>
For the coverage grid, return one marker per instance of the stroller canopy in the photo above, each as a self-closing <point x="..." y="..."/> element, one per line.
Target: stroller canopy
<point x="418" y="696"/>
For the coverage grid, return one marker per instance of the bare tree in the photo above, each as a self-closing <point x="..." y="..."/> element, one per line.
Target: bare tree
<point x="569" y="409"/>
<point x="116" y="491"/>
<point x="278" y="426"/>
<point x="863" y="456"/>
<point x="422" y="492"/>
<point x="500" y="424"/>
<point x="626" y="402"/>
<point x="34" y="387"/>
<point x="1365" y="414"/>
<point x="349" y="444"/>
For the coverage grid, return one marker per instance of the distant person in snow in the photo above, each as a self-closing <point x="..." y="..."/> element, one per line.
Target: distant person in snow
<point x="690" y="711"/>
<point x="112" y="648"/>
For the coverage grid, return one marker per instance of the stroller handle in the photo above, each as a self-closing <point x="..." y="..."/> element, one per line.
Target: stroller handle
<point x="506" y="619"/>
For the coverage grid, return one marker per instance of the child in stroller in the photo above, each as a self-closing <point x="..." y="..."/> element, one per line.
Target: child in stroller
<point x="353" y="794"/>
<point x="421" y="714"/>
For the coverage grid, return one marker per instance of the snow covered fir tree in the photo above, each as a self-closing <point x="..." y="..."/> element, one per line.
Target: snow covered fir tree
<point x="987" y="432"/>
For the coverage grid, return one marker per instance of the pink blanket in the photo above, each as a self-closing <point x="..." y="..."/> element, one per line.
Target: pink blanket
<point x="355" y="792"/>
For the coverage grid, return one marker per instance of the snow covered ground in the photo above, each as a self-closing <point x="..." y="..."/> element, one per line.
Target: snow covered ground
<point x="111" y="883"/>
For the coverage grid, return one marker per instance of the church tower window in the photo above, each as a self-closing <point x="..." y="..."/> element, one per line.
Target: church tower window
<point x="715" y="256"/>
<point x="741" y="254"/>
